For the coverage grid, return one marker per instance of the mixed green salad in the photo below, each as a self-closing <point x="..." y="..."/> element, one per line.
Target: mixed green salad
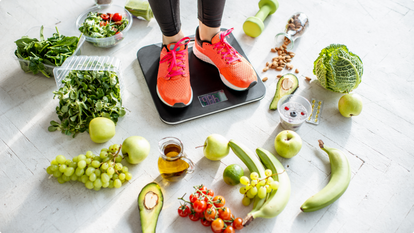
<point x="101" y="25"/>
<point x="52" y="51"/>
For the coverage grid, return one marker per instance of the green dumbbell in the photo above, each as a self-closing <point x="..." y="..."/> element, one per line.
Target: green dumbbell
<point x="253" y="26"/>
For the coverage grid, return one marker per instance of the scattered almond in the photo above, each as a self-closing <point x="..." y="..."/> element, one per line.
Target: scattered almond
<point x="307" y="78"/>
<point x="267" y="63"/>
<point x="279" y="76"/>
<point x="279" y="68"/>
<point x="264" y="79"/>
<point x="273" y="50"/>
<point x="297" y="71"/>
<point x="265" y="69"/>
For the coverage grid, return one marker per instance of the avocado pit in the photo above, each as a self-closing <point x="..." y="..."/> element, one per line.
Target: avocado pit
<point x="150" y="200"/>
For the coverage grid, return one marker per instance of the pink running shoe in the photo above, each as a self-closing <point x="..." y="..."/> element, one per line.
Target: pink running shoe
<point x="235" y="71"/>
<point x="173" y="81"/>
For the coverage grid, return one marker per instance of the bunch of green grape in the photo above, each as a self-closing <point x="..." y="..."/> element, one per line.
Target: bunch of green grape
<point x="257" y="187"/>
<point x="96" y="172"/>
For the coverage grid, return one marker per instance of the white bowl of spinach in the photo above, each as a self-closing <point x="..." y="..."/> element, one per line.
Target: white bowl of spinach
<point x="41" y="56"/>
<point x="104" y="25"/>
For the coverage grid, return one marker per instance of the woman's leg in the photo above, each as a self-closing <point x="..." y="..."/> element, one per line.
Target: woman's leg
<point x="167" y="14"/>
<point x="210" y="13"/>
<point x="173" y="78"/>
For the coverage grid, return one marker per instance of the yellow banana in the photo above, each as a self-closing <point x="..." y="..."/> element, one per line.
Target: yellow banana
<point x="340" y="178"/>
<point x="278" y="199"/>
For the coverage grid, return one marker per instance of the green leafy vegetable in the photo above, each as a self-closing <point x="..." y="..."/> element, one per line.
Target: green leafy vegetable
<point x="95" y="26"/>
<point x="338" y="69"/>
<point x="52" y="51"/>
<point x="87" y="94"/>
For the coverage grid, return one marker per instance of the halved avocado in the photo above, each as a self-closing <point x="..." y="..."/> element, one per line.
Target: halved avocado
<point x="150" y="202"/>
<point x="286" y="85"/>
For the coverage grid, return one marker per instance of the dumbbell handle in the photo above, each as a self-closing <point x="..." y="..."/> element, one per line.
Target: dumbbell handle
<point x="263" y="12"/>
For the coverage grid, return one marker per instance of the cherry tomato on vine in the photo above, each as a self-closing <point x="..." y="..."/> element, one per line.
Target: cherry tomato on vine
<point x="219" y="201"/>
<point x="205" y="222"/>
<point x="232" y="216"/>
<point x="210" y="213"/>
<point x="217" y="225"/>
<point x="210" y="192"/>
<point x="229" y="229"/>
<point x="193" y="197"/>
<point x="116" y="17"/>
<point x="202" y="188"/>
<point x="194" y="216"/>
<point x="104" y="16"/>
<point x="184" y="211"/>
<point x="224" y="213"/>
<point x="238" y="223"/>
<point x="199" y="206"/>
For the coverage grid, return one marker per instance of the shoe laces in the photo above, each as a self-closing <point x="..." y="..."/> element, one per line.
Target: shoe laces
<point x="176" y="58"/>
<point x="228" y="53"/>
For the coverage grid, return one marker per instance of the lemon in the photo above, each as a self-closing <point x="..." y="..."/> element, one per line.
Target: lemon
<point x="232" y="174"/>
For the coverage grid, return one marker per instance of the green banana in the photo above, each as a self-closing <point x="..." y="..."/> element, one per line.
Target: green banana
<point x="278" y="199"/>
<point x="340" y="178"/>
<point x="252" y="162"/>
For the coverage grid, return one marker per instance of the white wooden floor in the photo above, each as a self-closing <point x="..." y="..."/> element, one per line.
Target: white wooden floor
<point x="379" y="143"/>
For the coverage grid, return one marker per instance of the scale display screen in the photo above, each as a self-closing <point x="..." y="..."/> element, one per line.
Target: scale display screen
<point x="212" y="98"/>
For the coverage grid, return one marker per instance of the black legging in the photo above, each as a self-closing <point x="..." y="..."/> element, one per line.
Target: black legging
<point x="167" y="14"/>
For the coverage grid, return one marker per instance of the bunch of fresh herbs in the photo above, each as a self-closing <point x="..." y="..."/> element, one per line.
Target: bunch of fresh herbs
<point x="52" y="51"/>
<point x="87" y="94"/>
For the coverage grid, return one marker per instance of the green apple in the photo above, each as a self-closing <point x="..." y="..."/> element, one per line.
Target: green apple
<point x="288" y="143"/>
<point x="101" y="129"/>
<point x="135" y="149"/>
<point x="350" y="105"/>
<point x="216" y="147"/>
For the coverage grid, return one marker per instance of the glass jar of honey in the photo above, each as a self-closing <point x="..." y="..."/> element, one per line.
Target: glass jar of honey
<point x="173" y="163"/>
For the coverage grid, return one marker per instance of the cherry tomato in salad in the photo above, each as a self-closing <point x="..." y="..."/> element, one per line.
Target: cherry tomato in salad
<point x="194" y="197"/>
<point x="103" y="23"/>
<point x="184" y="211"/>
<point x="210" y="214"/>
<point x="219" y="201"/>
<point x="116" y="17"/>
<point x="238" y="223"/>
<point x="224" y="213"/>
<point x="200" y="206"/>
<point x="217" y="225"/>
<point x="229" y="229"/>
<point x="104" y="16"/>
<point x="205" y="222"/>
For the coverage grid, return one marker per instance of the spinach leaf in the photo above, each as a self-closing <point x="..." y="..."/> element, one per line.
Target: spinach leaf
<point x="52" y="51"/>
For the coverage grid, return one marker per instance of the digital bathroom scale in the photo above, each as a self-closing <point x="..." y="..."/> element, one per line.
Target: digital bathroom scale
<point x="210" y="95"/>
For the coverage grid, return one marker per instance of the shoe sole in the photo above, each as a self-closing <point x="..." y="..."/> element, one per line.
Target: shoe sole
<point x="204" y="58"/>
<point x="176" y="105"/>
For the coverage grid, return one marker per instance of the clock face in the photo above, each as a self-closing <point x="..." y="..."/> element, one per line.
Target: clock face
<point x="212" y="98"/>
